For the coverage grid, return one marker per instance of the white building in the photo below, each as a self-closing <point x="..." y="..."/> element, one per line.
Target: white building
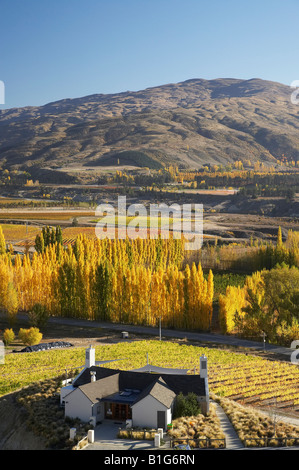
<point x="146" y="396"/>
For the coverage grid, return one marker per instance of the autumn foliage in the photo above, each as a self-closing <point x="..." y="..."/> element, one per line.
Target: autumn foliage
<point x="144" y="281"/>
<point x="129" y="281"/>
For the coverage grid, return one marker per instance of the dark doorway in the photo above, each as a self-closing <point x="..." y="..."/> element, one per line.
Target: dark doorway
<point x="161" y="419"/>
<point x="118" y="411"/>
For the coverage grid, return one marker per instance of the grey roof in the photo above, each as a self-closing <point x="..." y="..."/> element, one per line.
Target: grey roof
<point x="110" y="382"/>
<point x="101" y="372"/>
<point x="160" y="370"/>
<point x="185" y="384"/>
<point x="160" y="391"/>
<point x="126" y="396"/>
<point x="97" y="390"/>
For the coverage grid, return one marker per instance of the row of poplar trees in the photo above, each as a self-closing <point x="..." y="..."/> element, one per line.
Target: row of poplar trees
<point x="128" y="281"/>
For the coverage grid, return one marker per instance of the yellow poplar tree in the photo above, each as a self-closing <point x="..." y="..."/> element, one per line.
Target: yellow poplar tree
<point x="229" y="304"/>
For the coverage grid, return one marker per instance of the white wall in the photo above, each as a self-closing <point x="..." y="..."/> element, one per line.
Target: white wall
<point x="65" y="391"/>
<point x="77" y="405"/>
<point x="144" y="412"/>
<point x="168" y="416"/>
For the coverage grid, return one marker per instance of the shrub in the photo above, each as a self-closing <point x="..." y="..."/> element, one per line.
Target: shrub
<point x="286" y="333"/>
<point x="186" y="405"/>
<point x="138" y="434"/>
<point x="252" y="425"/>
<point x="38" y="316"/>
<point x="8" y="336"/>
<point x="30" y="336"/>
<point x="198" y="427"/>
<point x="45" y="417"/>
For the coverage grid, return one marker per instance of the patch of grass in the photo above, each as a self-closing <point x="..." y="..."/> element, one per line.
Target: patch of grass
<point x="255" y="428"/>
<point x="197" y="427"/>
<point x="137" y="433"/>
<point x="45" y="417"/>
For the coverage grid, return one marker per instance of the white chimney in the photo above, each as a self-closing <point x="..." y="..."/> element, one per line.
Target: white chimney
<point x="93" y="375"/>
<point x="90" y="357"/>
<point x="205" y="403"/>
<point x="203" y="367"/>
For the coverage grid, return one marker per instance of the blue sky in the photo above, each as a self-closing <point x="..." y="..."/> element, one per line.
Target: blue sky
<point x="58" y="49"/>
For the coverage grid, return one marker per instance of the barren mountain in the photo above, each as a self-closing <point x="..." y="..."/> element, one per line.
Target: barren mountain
<point x="189" y="123"/>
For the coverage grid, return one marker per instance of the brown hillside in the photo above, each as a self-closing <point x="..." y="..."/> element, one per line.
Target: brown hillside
<point x="189" y="123"/>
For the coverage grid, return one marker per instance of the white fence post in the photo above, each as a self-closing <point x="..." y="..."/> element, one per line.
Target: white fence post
<point x="73" y="433"/>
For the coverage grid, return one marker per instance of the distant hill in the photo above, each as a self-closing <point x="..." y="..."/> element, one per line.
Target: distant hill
<point x="189" y="123"/>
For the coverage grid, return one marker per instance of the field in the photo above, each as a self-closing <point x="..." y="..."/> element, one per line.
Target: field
<point x="22" y="236"/>
<point x="245" y="378"/>
<point x="218" y="223"/>
<point x="11" y="202"/>
<point x="16" y="232"/>
<point x="44" y="215"/>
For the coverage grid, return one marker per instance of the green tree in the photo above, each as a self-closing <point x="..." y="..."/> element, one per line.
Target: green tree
<point x="48" y="236"/>
<point x="255" y="318"/>
<point x="186" y="405"/>
<point x="38" y="316"/>
<point x="58" y="237"/>
<point x="282" y="292"/>
<point x="273" y="306"/>
<point x="67" y="290"/>
<point x="40" y="243"/>
<point x="103" y="291"/>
